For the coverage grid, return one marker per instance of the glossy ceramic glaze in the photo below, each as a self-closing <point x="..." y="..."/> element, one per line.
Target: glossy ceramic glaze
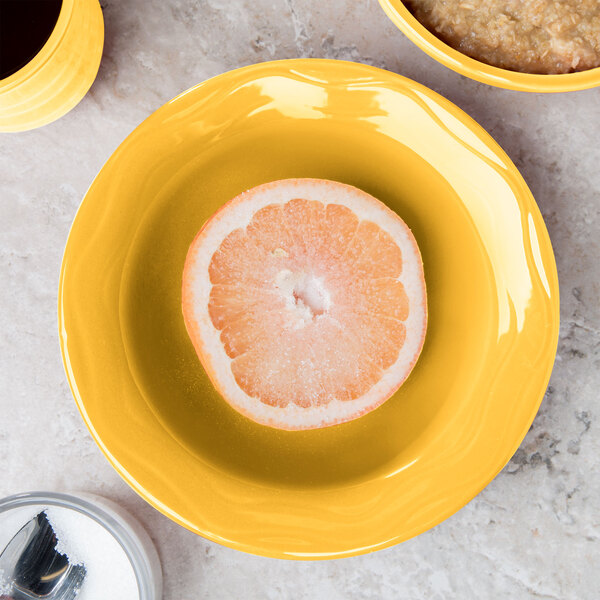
<point x="463" y="64"/>
<point x="60" y="74"/>
<point x="352" y="488"/>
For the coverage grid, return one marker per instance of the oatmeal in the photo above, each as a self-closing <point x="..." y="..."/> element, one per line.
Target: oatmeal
<point x="531" y="36"/>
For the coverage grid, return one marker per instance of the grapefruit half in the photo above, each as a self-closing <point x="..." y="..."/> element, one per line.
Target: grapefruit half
<point x="305" y="301"/>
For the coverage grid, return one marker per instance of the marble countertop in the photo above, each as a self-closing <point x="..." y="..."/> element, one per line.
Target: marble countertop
<point x="534" y="532"/>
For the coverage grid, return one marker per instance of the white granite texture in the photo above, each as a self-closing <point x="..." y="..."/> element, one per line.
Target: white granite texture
<point x="534" y="532"/>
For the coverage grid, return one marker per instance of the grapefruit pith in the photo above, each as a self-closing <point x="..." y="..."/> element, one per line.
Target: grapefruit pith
<point x="305" y="301"/>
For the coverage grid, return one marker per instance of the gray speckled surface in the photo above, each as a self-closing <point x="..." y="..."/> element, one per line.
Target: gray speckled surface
<point x="534" y="532"/>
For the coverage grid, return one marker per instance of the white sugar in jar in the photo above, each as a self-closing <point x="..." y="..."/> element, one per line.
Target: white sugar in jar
<point x="120" y="560"/>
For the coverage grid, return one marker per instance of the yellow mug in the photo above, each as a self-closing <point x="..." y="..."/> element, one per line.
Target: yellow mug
<point x="60" y="74"/>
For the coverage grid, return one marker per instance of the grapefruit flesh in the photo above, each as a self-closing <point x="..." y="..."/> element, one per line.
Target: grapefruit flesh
<point x="305" y="301"/>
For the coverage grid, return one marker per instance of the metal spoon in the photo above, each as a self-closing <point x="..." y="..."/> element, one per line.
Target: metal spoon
<point x="32" y="569"/>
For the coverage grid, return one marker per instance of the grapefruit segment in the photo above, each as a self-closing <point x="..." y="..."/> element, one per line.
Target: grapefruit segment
<point x="305" y="301"/>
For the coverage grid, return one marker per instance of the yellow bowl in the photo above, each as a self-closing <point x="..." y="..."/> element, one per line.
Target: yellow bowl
<point x="60" y="74"/>
<point x="469" y="67"/>
<point x="349" y="489"/>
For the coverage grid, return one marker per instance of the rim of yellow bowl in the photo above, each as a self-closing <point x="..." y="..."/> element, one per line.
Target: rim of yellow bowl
<point x="480" y="71"/>
<point x="46" y="52"/>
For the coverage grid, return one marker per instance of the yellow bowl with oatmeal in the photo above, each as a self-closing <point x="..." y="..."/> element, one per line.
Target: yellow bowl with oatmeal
<point x="534" y="46"/>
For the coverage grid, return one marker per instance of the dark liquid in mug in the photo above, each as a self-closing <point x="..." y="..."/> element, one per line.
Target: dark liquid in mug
<point x="25" y="26"/>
